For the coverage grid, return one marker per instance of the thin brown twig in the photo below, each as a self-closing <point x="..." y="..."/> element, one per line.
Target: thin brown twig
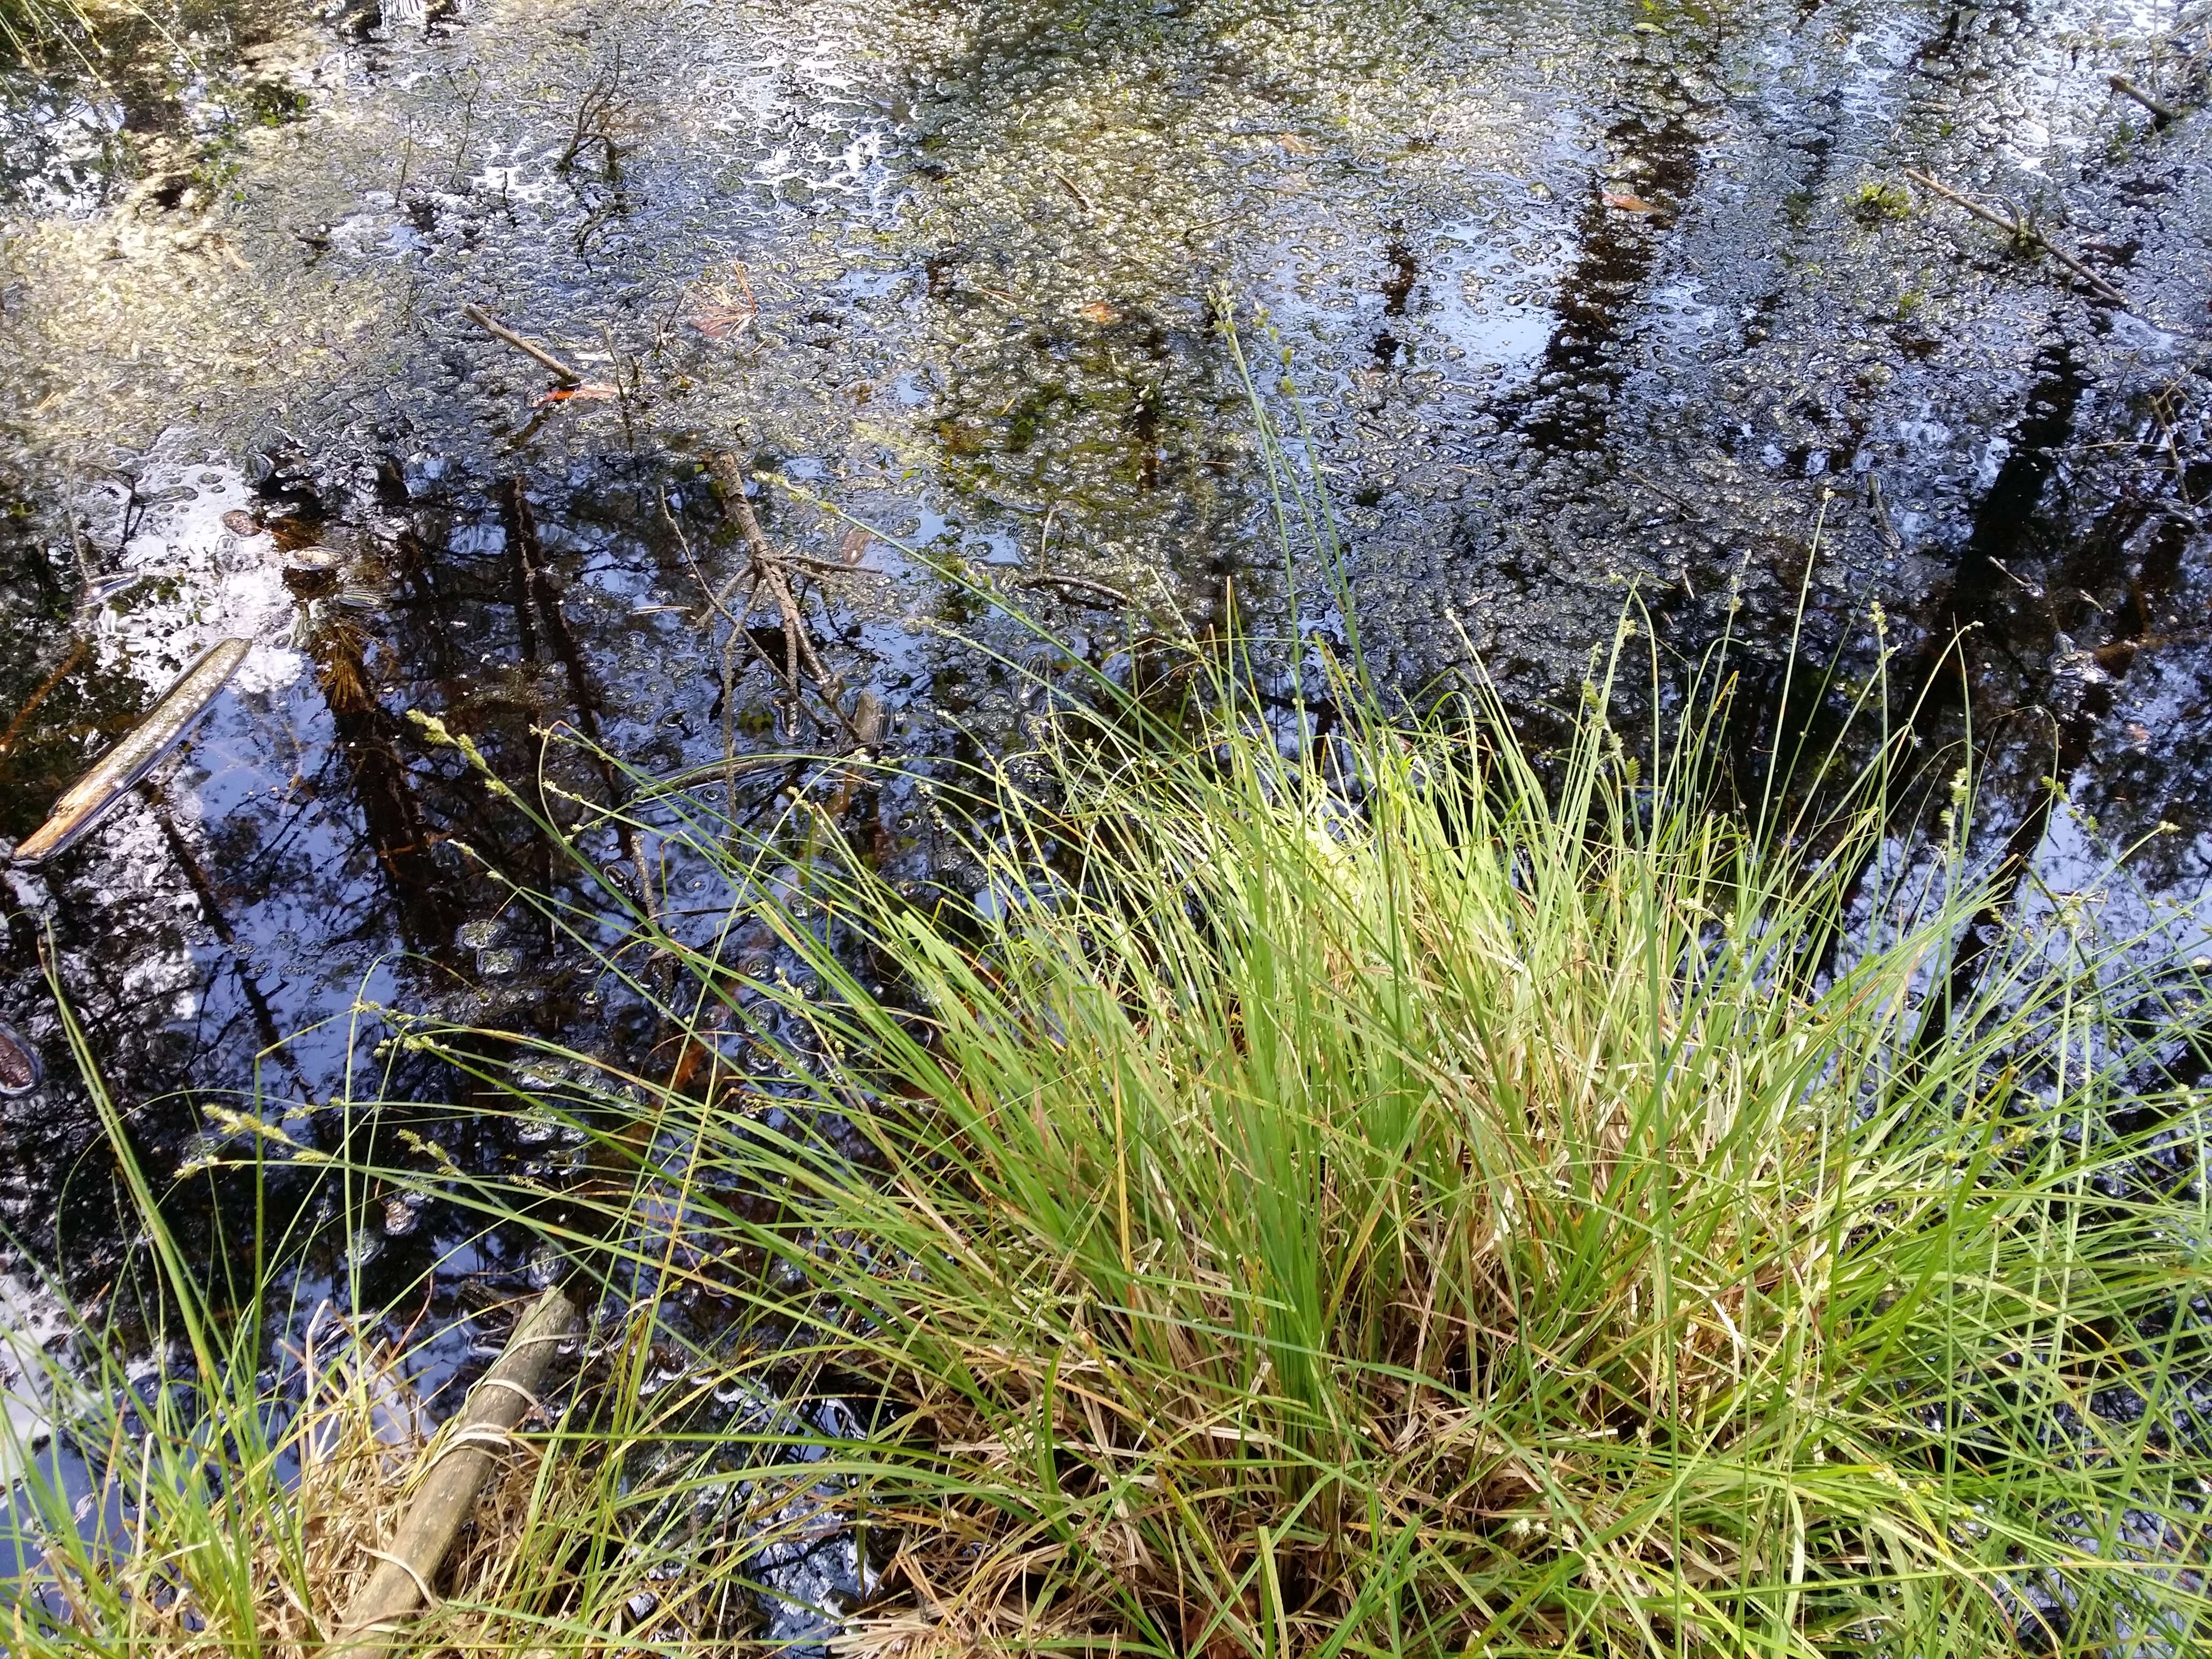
<point x="529" y="347"/>
<point x="77" y="649"/>
<point x="1665" y="494"/>
<point x="614" y="374"/>
<point x="1074" y="190"/>
<point x="2020" y="230"/>
<point x="827" y="567"/>
<point x="1076" y="584"/>
<point x="795" y="630"/>
<point x="770" y="569"/>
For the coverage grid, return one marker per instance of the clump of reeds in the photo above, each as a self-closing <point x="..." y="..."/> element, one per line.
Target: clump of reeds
<point x="1379" y="1192"/>
<point x="1328" y="1180"/>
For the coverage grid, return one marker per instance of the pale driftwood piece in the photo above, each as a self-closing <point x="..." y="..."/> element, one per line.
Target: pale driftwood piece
<point x="447" y="1492"/>
<point x="87" y="800"/>
<point x="528" y="347"/>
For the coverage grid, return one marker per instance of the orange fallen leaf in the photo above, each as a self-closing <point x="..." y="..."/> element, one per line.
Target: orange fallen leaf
<point x="590" y="392"/>
<point x="1098" y="312"/>
<point x="1627" y="204"/>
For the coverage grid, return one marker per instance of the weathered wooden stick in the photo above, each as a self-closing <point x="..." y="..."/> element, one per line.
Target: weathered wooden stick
<point x="2026" y="232"/>
<point x="729" y="476"/>
<point x="87" y="800"/>
<point x="2163" y="114"/>
<point x="408" y="1564"/>
<point x="529" y="347"/>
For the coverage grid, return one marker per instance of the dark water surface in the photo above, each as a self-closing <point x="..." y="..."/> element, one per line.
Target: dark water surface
<point x="1581" y="299"/>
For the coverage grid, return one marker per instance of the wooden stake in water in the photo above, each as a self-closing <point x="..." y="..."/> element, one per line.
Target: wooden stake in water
<point x="87" y="800"/>
<point x="459" y="1466"/>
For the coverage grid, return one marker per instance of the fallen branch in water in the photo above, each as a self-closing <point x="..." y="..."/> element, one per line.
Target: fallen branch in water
<point x="769" y="569"/>
<point x="2017" y="226"/>
<point x="81" y="644"/>
<point x="2161" y="114"/>
<point x="448" y="1491"/>
<point x="87" y="800"/>
<point x="1078" y="585"/>
<point x="529" y="347"/>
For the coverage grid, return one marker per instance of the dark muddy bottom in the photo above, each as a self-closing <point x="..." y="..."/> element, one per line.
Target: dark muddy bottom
<point x="1586" y="305"/>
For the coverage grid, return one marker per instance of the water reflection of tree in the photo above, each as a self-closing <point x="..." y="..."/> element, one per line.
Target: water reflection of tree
<point x="368" y="743"/>
<point x="1087" y="179"/>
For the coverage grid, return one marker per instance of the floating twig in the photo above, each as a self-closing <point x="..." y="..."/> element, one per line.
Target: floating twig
<point x="81" y="644"/>
<point x="825" y="566"/>
<point x="1074" y="190"/>
<point x="2018" y="228"/>
<point x="456" y="1471"/>
<point x="1679" y="503"/>
<point x="88" y="801"/>
<point x="1076" y="584"/>
<point x="2161" y="114"/>
<point x="529" y="347"/>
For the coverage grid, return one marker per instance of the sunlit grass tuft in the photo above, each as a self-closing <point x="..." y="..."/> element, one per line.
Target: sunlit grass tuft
<point x="1378" y="1192"/>
<point x="1374" y="1194"/>
<point x="1326" y="1179"/>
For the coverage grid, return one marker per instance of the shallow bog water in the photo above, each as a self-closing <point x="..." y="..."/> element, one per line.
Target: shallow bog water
<point x="1584" y="304"/>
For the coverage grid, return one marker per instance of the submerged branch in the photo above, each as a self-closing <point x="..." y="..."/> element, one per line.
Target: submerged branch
<point x="88" y="799"/>
<point x="529" y="347"/>
<point x="2018" y="228"/>
<point x="456" y="1471"/>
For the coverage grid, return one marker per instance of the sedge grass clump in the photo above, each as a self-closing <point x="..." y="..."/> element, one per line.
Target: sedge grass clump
<point x="1382" y="1192"/>
<point x="1372" y="1195"/>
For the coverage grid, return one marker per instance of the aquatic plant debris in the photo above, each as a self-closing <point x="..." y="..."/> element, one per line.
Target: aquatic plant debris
<point x="529" y="347"/>
<point x="2017" y="226"/>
